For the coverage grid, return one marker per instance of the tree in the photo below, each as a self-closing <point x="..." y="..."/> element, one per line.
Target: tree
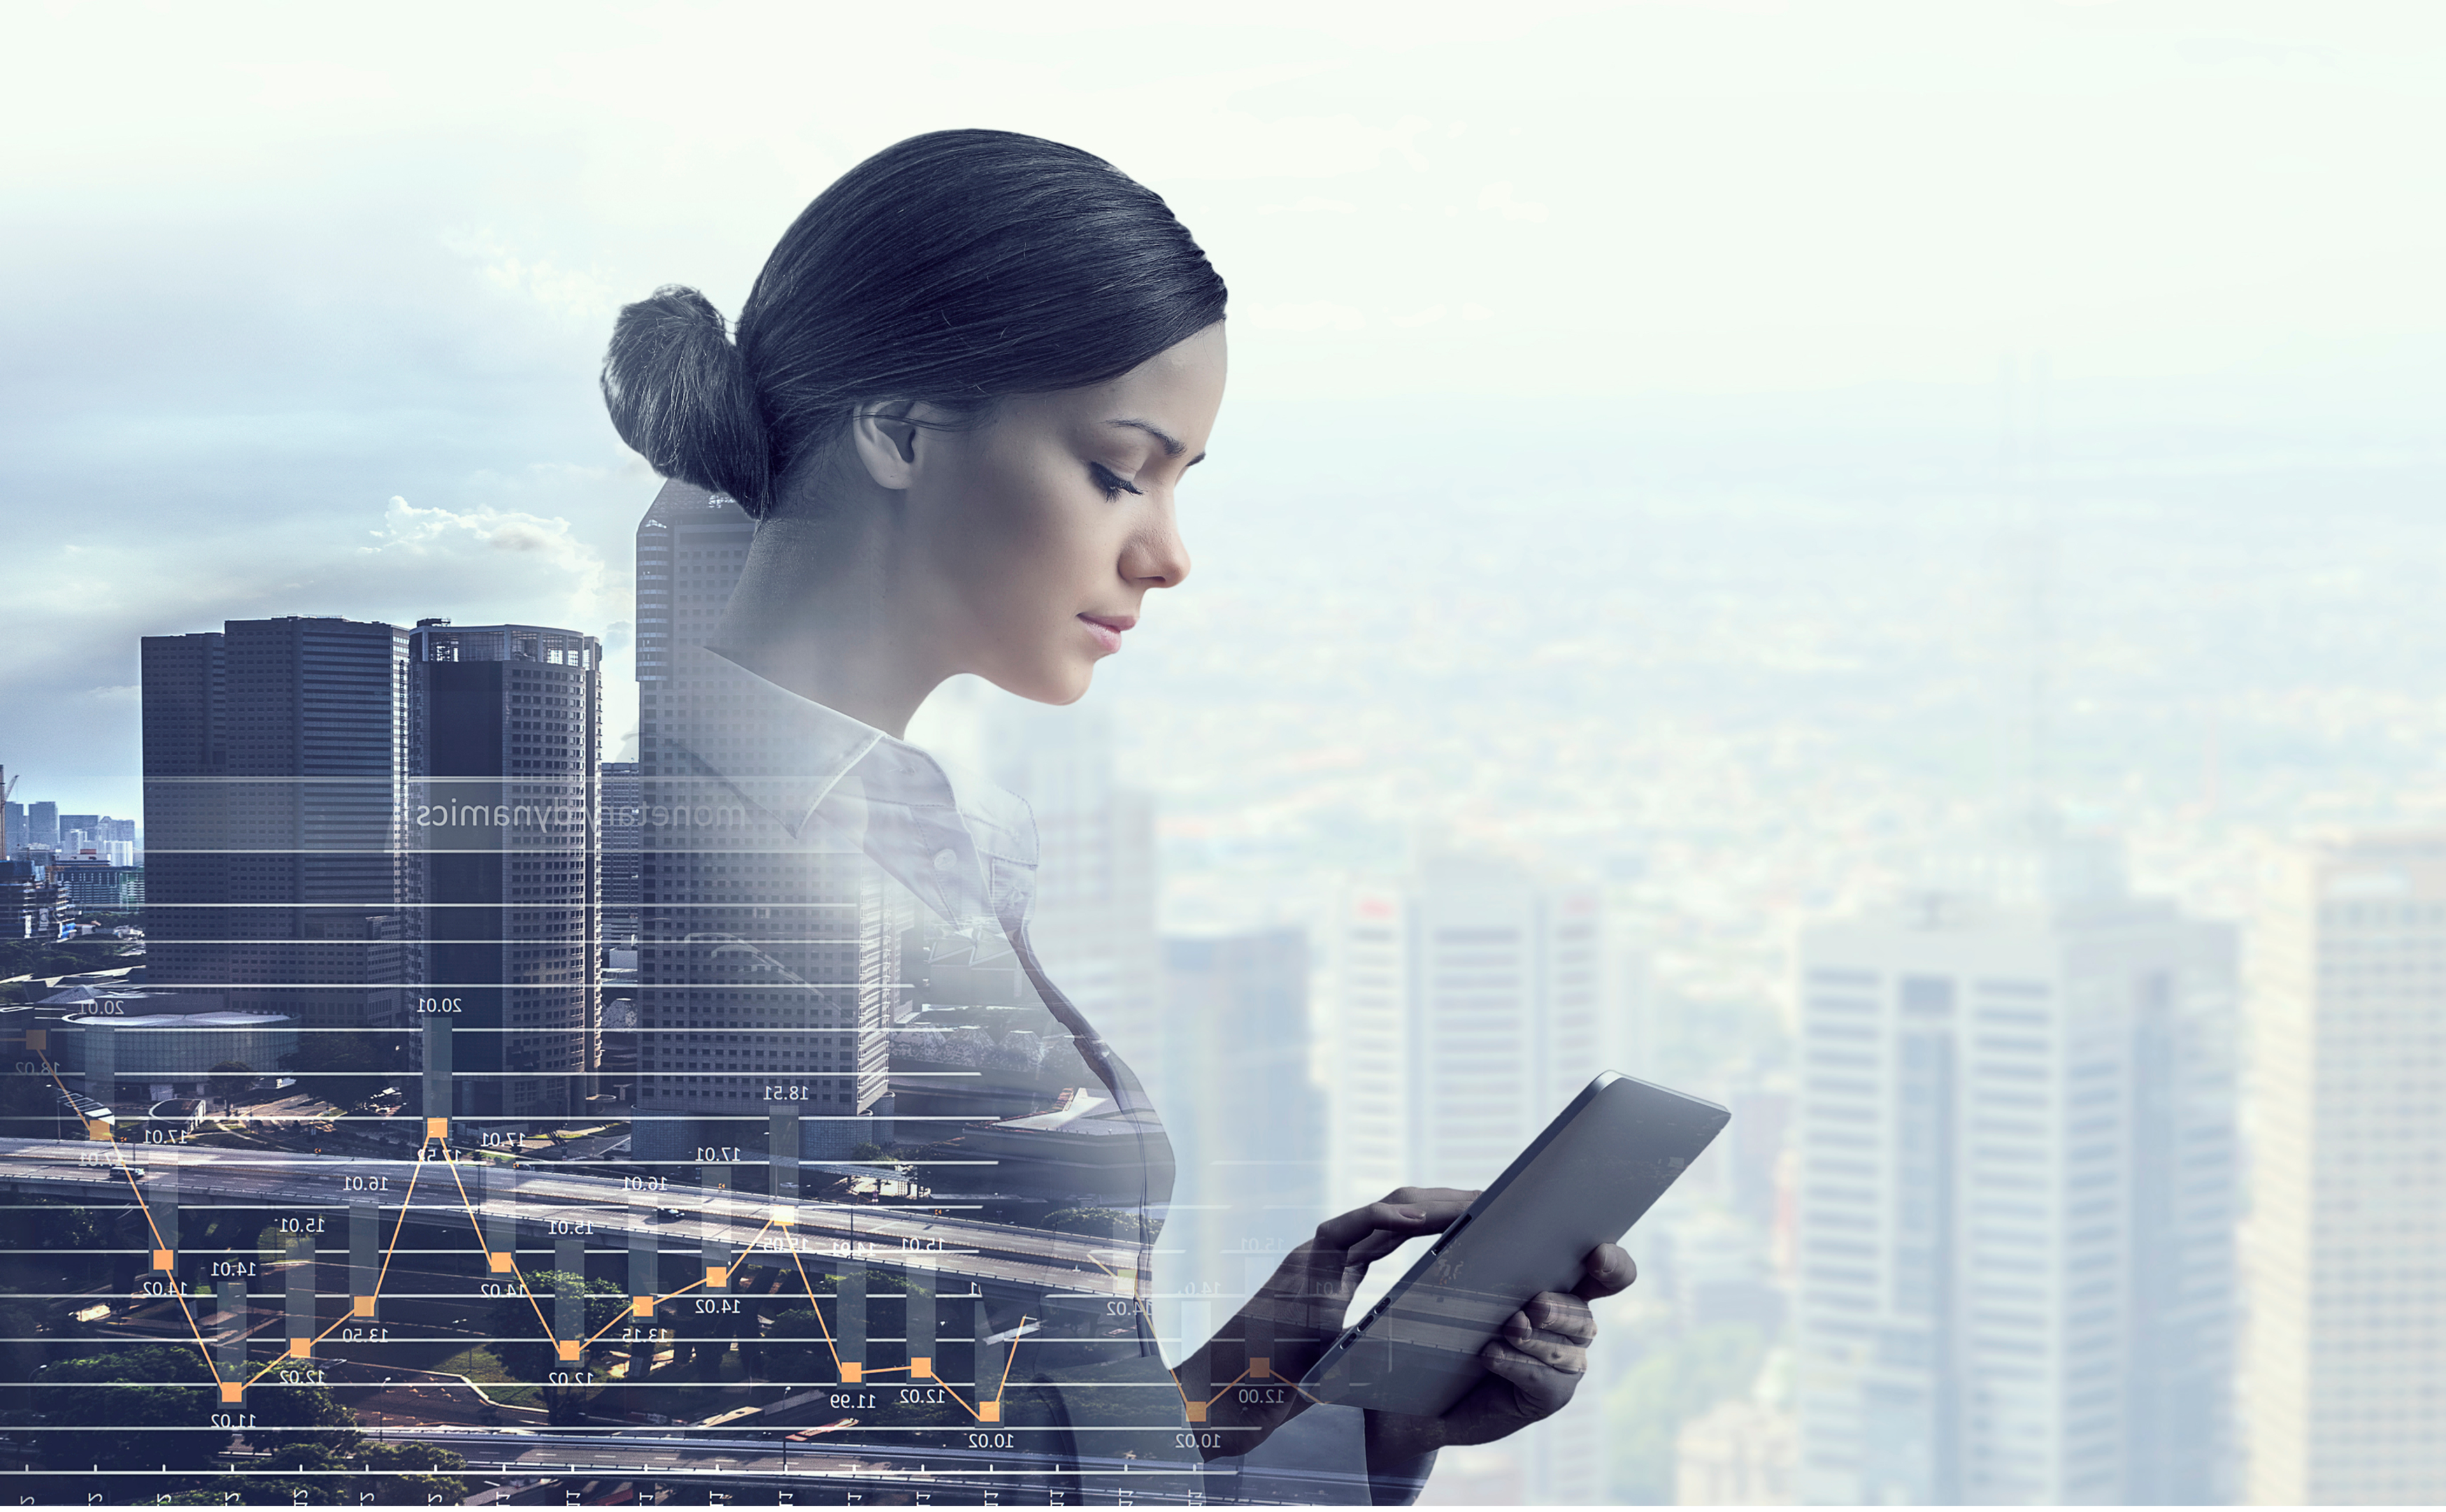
<point x="231" y="1080"/>
<point x="527" y="1353"/>
<point x="793" y="1350"/>
<point x="418" y="1471"/>
<point x="21" y="1355"/>
<point x="703" y="1329"/>
<point x="126" y="1410"/>
<point x="319" y="1475"/>
<point x="291" y="1408"/>
<point x="1097" y="1222"/>
<point x="29" y="1105"/>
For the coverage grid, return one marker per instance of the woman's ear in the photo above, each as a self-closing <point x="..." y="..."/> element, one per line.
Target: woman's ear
<point x="886" y="441"/>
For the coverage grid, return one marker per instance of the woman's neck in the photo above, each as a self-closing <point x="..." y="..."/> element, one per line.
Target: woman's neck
<point x="819" y="610"/>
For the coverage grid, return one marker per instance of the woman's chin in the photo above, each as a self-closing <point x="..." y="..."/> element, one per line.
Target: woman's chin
<point x="1055" y="685"/>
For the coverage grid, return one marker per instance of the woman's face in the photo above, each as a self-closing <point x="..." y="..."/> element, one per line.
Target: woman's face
<point x="1034" y="538"/>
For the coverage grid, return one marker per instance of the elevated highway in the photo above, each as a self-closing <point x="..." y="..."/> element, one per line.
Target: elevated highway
<point x="543" y="1206"/>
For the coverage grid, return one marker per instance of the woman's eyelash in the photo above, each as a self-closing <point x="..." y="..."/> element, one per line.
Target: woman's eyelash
<point x="1112" y="483"/>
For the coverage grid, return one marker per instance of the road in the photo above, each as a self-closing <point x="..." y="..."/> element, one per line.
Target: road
<point x="624" y="1453"/>
<point x="604" y="1209"/>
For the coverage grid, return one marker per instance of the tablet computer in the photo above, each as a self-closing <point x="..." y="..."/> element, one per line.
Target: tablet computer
<point x="1602" y="1162"/>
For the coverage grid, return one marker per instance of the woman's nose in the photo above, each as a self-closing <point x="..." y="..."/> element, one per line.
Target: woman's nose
<point x="1158" y="557"/>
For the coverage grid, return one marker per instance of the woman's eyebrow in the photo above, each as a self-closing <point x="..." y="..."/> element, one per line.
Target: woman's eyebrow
<point x="1171" y="446"/>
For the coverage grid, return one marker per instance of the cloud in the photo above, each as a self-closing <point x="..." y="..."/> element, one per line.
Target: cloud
<point x="1499" y="198"/>
<point x="429" y="532"/>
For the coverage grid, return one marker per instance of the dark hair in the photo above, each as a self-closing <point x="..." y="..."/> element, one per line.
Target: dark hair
<point x="956" y="268"/>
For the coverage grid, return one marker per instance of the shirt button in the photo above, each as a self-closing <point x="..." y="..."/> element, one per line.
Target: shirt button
<point x="945" y="860"/>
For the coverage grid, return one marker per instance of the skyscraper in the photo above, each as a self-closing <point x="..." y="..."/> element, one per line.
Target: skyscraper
<point x="2016" y="1195"/>
<point x="42" y="824"/>
<point x="1466" y="1011"/>
<point x="275" y="774"/>
<point x="2347" y="1366"/>
<point x="1245" y="1120"/>
<point x="505" y="725"/>
<point x="622" y="795"/>
<point x="1094" y="924"/>
<point x="747" y="1009"/>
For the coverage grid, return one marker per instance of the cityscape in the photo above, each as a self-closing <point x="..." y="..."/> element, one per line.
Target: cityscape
<point x="1875" y="564"/>
<point x="2082" y="1151"/>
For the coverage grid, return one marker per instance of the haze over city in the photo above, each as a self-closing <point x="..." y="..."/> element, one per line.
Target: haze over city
<point x="1741" y="460"/>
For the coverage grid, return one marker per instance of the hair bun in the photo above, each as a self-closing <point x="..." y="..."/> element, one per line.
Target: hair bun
<point x="679" y="394"/>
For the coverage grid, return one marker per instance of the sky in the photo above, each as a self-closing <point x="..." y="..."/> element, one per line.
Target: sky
<point x="307" y="303"/>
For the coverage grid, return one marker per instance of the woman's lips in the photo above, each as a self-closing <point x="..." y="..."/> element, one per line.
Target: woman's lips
<point x="1108" y="629"/>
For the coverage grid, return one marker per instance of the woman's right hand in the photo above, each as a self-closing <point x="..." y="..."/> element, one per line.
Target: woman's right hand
<point x="1301" y="1310"/>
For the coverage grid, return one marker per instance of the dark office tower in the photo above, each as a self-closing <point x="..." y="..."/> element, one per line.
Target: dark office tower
<point x="623" y="793"/>
<point x="186" y="810"/>
<point x="275" y="763"/>
<point x="507" y="719"/>
<point x="43" y="825"/>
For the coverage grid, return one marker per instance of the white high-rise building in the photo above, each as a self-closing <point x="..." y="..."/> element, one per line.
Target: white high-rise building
<point x="2016" y="1196"/>
<point x="2345" y="1373"/>
<point x="1465" y="1010"/>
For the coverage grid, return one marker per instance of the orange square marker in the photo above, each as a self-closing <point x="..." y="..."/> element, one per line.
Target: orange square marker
<point x="301" y="1348"/>
<point x="1197" y="1412"/>
<point x="641" y="1307"/>
<point x="921" y="1367"/>
<point x="436" y="1129"/>
<point x="717" y="1277"/>
<point x="852" y="1371"/>
<point x="363" y="1308"/>
<point x="989" y="1412"/>
<point x="163" y="1259"/>
<point x="1260" y="1367"/>
<point x="96" y="1128"/>
<point x="37" y="1038"/>
<point x="569" y="1347"/>
<point x="500" y="1262"/>
<point x="783" y="1217"/>
<point x="233" y="1390"/>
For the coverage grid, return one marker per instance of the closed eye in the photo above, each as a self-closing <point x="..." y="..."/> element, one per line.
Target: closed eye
<point x="1112" y="483"/>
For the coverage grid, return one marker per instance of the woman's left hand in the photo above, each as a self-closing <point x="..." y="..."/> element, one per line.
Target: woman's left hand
<point x="1532" y="1368"/>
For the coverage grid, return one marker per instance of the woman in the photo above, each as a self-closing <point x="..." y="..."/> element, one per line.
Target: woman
<point x="963" y="396"/>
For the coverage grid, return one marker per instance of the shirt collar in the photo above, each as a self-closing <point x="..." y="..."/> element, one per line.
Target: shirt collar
<point x="963" y="845"/>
